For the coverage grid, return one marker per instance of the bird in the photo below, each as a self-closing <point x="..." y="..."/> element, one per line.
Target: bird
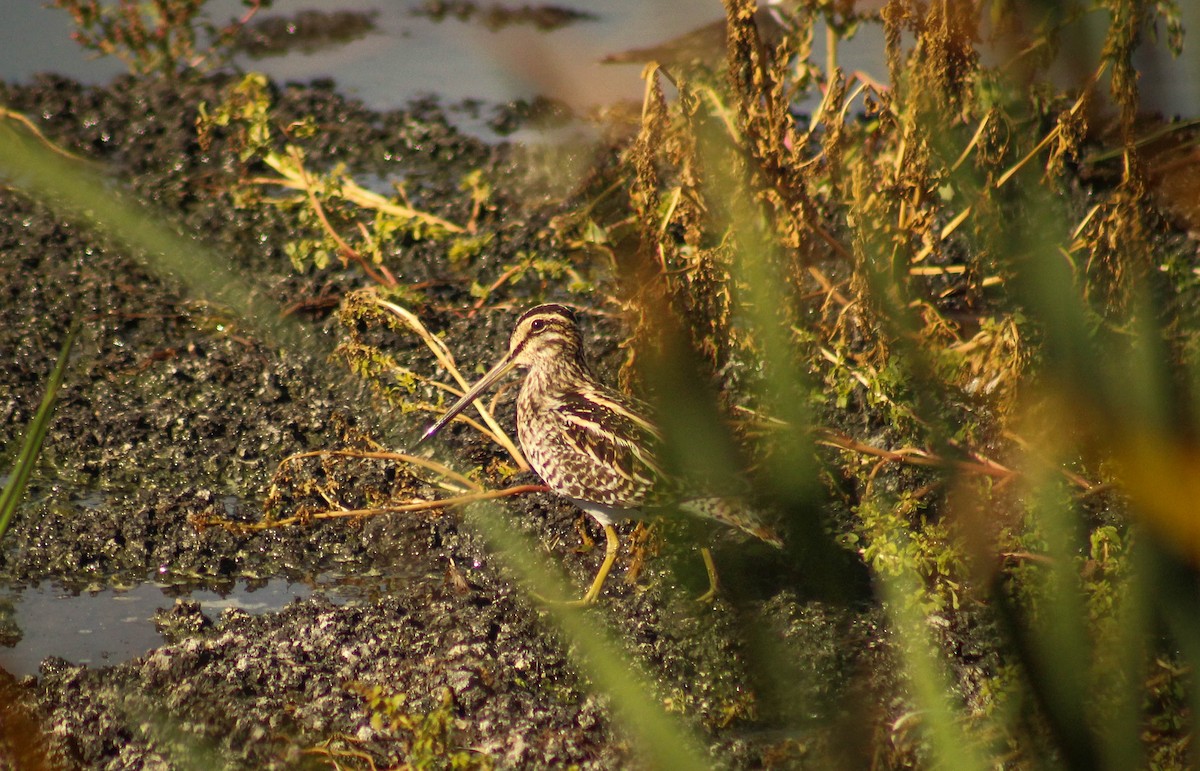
<point x="587" y="441"/>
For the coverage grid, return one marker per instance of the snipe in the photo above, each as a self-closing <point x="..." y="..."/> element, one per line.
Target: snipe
<point x="588" y="442"/>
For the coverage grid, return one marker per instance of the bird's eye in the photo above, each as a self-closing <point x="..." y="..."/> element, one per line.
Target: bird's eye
<point x="537" y="325"/>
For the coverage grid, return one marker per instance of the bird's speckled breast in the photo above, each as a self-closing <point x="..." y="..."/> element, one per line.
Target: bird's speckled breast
<point x="546" y="441"/>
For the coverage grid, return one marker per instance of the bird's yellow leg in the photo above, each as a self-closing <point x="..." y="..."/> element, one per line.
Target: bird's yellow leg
<point x="714" y="584"/>
<point x="610" y="555"/>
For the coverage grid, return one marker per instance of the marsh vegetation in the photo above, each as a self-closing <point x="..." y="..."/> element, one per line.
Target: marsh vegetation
<point x="944" y="329"/>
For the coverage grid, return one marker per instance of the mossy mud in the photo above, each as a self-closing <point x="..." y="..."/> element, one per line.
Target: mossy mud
<point x="173" y="414"/>
<point x="950" y="344"/>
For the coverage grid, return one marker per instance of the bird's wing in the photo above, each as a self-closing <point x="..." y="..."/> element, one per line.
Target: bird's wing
<point x="609" y="430"/>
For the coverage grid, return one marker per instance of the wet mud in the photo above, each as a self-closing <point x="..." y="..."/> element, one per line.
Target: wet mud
<point x="173" y="413"/>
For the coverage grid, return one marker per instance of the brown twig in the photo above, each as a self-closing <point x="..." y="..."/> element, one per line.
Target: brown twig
<point x="415" y="505"/>
<point x="446" y="360"/>
<point x="979" y="464"/>
<point x="415" y="460"/>
<point x="29" y="125"/>
<point x="913" y="456"/>
<point x="827" y="286"/>
<point x="326" y="750"/>
<point x="504" y="277"/>
<point x="346" y="251"/>
<point x="1026" y="556"/>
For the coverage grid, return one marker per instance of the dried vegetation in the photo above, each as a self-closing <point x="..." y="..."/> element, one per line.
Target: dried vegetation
<point x="939" y="323"/>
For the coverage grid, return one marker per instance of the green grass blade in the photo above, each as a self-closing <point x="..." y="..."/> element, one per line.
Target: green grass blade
<point x="660" y="740"/>
<point x="80" y="191"/>
<point x="926" y="668"/>
<point x="35" y="435"/>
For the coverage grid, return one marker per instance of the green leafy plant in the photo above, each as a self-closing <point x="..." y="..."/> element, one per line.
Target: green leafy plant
<point x="329" y="205"/>
<point x="968" y="324"/>
<point x="423" y="740"/>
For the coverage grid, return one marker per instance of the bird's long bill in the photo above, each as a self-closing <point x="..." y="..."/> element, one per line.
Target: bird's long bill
<point x="495" y="373"/>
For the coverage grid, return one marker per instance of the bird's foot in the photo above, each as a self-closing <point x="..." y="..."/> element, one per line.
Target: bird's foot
<point x="714" y="583"/>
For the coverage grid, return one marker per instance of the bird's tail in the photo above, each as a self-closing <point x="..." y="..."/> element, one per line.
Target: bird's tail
<point x="735" y="513"/>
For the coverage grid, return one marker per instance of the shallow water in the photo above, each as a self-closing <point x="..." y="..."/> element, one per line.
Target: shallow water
<point x="408" y="56"/>
<point x="114" y="625"/>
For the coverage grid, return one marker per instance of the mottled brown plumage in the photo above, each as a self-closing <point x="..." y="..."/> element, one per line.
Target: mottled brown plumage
<point x="585" y="440"/>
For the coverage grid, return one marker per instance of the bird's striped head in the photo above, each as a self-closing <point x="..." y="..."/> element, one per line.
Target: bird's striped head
<point x="545" y="334"/>
<point x="544" y="338"/>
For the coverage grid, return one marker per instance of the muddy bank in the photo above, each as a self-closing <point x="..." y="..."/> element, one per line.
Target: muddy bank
<point x="174" y="412"/>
